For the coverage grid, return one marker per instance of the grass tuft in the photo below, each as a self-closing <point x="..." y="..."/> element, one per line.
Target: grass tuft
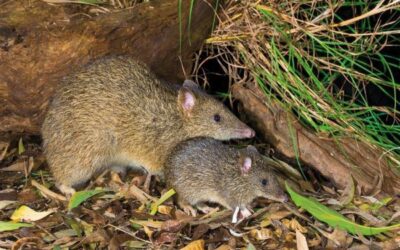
<point x="322" y="60"/>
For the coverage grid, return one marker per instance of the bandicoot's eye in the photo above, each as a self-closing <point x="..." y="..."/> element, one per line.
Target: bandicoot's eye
<point x="264" y="182"/>
<point x="217" y="118"/>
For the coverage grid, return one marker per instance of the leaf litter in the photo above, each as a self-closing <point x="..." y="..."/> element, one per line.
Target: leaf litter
<point x="127" y="217"/>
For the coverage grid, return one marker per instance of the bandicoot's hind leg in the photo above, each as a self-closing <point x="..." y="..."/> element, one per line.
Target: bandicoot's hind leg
<point x="73" y="164"/>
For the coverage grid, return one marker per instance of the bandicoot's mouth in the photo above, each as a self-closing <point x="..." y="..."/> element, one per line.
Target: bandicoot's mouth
<point x="281" y="198"/>
<point x="245" y="133"/>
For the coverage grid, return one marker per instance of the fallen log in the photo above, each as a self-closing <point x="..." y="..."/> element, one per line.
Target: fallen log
<point x="40" y="43"/>
<point x="338" y="160"/>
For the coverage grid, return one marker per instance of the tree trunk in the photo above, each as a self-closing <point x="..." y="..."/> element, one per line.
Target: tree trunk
<point x="40" y="43"/>
<point x="338" y="160"/>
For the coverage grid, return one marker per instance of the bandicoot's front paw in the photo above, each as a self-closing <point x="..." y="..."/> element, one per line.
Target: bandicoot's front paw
<point x="67" y="190"/>
<point x="205" y="209"/>
<point x="188" y="209"/>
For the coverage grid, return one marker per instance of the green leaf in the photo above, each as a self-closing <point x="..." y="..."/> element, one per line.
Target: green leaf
<point x="250" y="247"/>
<point x="11" y="225"/>
<point x="75" y="226"/>
<point x="332" y="217"/>
<point x="81" y="196"/>
<point x="56" y="247"/>
<point x="160" y="201"/>
<point x="21" y="148"/>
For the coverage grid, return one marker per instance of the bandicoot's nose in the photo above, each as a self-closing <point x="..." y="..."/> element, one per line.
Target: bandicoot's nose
<point x="285" y="198"/>
<point x="249" y="133"/>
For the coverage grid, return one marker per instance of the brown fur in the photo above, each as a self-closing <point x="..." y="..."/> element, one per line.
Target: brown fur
<point x="114" y="112"/>
<point x="204" y="169"/>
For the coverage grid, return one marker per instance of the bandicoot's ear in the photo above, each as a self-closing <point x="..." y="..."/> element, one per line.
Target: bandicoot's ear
<point x="245" y="165"/>
<point x="251" y="149"/>
<point x="186" y="100"/>
<point x="190" y="84"/>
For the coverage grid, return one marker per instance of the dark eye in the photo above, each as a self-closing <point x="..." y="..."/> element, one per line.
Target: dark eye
<point x="264" y="182"/>
<point x="217" y="117"/>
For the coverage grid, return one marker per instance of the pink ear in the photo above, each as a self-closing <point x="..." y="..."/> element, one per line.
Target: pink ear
<point x="246" y="166"/>
<point x="188" y="101"/>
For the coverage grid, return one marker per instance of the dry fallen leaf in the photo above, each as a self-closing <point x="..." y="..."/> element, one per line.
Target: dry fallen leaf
<point x="27" y="214"/>
<point x="338" y="238"/>
<point x="163" y="209"/>
<point x="47" y="192"/>
<point x="148" y="223"/>
<point x="194" y="245"/>
<point x="261" y="234"/>
<point x="224" y="247"/>
<point x="5" y="203"/>
<point x="301" y="241"/>
<point x="315" y="241"/>
<point x="133" y="191"/>
<point x="278" y="215"/>
<point x="200" y="230"/>
<point x="29" y="168"/>
<point x="172" y="225"/>
<point x="165" y="238"/>
<point x="294" y="225"/>
<point x="148" y="232"/>
<point x="18" y="166"/>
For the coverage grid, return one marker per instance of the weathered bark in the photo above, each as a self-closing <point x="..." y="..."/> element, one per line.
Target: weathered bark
<point x="337" y="160"/>
<point x="40" y="43"/>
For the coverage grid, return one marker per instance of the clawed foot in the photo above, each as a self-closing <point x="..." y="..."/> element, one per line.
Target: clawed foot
<point x="205" y="209"/>
<point x="121" y="171"/>
<point x="66" y="190"/>
<point x="188" y="209"/>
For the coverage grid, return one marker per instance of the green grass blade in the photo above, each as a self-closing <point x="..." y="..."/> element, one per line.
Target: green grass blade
<point x="11" y="225"/>
<point x="81" y="196"/>
<point x="333" y="218"/>
<point x="163" y="198"/>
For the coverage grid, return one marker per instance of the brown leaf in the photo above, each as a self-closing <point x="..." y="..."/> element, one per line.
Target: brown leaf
<point x="27" y="196"/>
<point x="8" y="194"/>
<point x="18" y="166"/>
<point x="194" y="245"/>
<point x="28" y="169"/>
<point x="97" y="218"/>
<point x="261" y="234"/>
<point x="200" y="230"/>
<point x="338" y="238"/>
<point x="133" y="191"/>
<point x="165" y="237"/>
<point x="315" y="241"/>
<point x="97" y="236"/>
<point x="172" y="226"/>
<point x="294" y="225"/>
<point x="225" y="247"/>
<point x="277" y="215"/>
<point x="182" y="216"/>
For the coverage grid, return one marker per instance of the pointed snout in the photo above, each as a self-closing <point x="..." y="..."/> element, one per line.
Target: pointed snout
<point x="284" y="198"/>
<point x="281" y="198"/>
<point x="245" y="133"/>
